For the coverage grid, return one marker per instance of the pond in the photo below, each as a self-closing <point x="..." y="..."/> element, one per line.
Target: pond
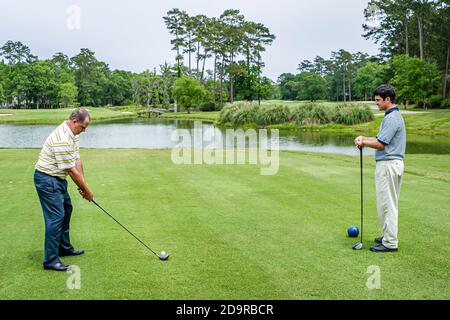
<point x="159" y="133"/>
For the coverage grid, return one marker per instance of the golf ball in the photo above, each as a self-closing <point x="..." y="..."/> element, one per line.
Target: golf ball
<point x="163" y="253"/>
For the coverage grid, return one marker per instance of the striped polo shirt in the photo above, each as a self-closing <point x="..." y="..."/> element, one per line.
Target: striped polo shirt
<point x="59" y="152"/>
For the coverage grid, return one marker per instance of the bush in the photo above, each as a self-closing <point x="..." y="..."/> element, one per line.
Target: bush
<point x="445" y="104"/>
<point x="311" y="113"/>
<point x="435" y="101"/>
<point x="227" y="113"/>
<point x="349" y="115"/>
<point x="320" y="114"/>
<point x="301" y="114"/>
<point x="207" y="106"/>
<point x="245" y="114"/>
<point x="268" y="115"/>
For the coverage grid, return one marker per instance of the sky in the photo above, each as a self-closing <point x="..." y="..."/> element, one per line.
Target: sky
<point x="131" y="35"/>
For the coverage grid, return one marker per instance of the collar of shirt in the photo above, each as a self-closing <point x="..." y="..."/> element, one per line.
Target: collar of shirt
<point x="390" y="110"/>
<point x="66" y="126"/>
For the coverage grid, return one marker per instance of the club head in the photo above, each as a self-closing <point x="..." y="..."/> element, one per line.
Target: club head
<point x="164" y="256"/>
<point x="357" y="246"/>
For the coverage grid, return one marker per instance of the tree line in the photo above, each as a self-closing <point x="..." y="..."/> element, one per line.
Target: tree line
<point x="414" y="37"/>
<point x="233" y="44"/>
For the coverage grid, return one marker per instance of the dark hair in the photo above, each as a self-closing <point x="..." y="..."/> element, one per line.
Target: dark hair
<point x="79" y="114"/>
<point x="384" y="91"/>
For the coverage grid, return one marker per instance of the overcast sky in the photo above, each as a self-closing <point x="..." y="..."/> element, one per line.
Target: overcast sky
<point x="131" y="34"/>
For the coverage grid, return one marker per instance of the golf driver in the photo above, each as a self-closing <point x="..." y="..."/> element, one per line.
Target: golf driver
<point x="359" y="245"/>
<point x="162" y="256"/>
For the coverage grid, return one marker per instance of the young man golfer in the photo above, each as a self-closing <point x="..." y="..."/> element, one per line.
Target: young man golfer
<point x="58" y="158"/>
<point x="390" y="144"/>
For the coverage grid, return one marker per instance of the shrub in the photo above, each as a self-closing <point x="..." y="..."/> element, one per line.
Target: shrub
<point x="268" y="115"/>
<point x="347" y="114"/>
<point x="445" y="103"/>
<point x="207" y="106"/>
<point x="245" y="114"/>
<point x="227" y="113"/>
<point x="311" y="113"/>
<point x="320" y="114"/>
<point x="435" y="101"/>
<point x="301" y="114"/>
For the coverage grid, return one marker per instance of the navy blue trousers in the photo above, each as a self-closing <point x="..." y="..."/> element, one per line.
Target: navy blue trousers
<point x="57" y="209"/>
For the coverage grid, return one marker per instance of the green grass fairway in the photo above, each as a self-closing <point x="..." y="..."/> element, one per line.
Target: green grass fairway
<point x="56" y="116"/>
<point x="232" y="233"/>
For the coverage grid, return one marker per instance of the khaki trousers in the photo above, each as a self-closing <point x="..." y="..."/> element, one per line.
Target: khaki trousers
<point x="388" y="180"/>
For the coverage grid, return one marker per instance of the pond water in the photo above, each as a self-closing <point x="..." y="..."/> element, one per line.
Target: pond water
<point x="159" y="133"/>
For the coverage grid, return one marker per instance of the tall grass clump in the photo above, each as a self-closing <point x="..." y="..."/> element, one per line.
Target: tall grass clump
<point x="351" y="114"/>
<point x="275" y="114"/>
<point x="227" y="113"/>
<point x="245" y="114"/>
<point x="311" y="113"/>
<point x="242" y="113"/>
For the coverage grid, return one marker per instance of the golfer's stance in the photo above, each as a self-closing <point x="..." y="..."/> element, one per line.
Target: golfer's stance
<point x="390" y="144"/>
<point x="58" y="158"/>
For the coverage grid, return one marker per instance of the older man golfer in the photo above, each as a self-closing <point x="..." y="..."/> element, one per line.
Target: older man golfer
<point x="390" y="145"/>
<point x="58" y="158"/>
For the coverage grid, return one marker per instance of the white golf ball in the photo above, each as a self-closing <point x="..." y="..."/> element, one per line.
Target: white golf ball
<point x="163" y="253"/>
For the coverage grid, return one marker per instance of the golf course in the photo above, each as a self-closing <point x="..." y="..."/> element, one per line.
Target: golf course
<point x="231" y="233"/>
<point x="195" y="155"/>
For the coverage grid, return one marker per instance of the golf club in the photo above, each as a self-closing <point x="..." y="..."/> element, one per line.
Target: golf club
<point x="359" y="245"/>
<point x="162" y="256"/>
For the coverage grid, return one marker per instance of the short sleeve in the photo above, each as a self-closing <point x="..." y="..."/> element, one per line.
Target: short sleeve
<point x="388" y="130"/>
<point x="65" y="155"/>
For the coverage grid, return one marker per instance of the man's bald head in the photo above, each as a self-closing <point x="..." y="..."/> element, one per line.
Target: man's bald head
<point x="79" y="120"/>
<point x="79" y="114"/>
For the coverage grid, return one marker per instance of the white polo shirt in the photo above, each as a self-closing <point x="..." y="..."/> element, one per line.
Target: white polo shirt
<point x="59" y="152"/>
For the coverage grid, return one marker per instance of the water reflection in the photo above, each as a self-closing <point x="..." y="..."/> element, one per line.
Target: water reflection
<point x="157" y="133"/>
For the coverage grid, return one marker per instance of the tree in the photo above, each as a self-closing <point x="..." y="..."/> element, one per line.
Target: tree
<point x="232" y="33"/>
<point x="211" y="89"/>
<point x="188" y="92"/>
<point x="342" y="62"/>
<point x="175" y="21"/>
<point x="368" y="78"/>
<point x="260" y="36"/>
<point x="67" y="94"/>
<point x="3" y="82"/>
<point x="311" y="86"/>
<point x="167" y="80"/>
<point x="118" y="90"/>
<point x="15" y="52"/>
<point x="91" y="78"/>
<point x="416" y="80"/>
<point x="285" y="82"/>
<point x="43" y="88"/>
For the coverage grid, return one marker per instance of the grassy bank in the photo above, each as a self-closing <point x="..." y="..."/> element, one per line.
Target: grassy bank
<point x="429" y="122"/>
<point x="210" y="116"/>
<point x="232" y="233"/>
<point x="56" y="116"/>
<point x="436" y="122"/>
